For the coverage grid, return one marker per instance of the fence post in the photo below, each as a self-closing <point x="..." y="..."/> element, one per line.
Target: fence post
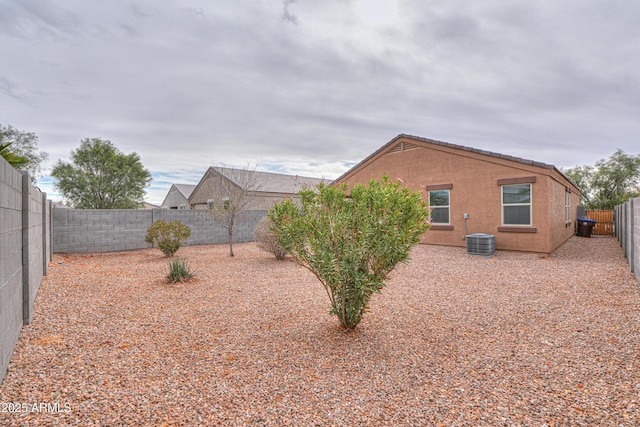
<point x="625" y="218"/>
<point x="26" y="312"/>
<point x="156" y="215"/>
<point x="632" y="246"/>
<point x="45" y="261"/>
<point x="616" y="219"/>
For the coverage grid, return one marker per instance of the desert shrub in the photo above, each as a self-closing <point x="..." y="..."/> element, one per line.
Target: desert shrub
<point x="351" y="242"/>
<point x="266" y="238"/>
<point x="179" y="271"/>
<point x="169" y="236"/>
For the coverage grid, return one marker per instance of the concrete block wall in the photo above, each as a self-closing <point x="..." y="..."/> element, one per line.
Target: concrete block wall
<point x="99" y="230"/>
<point x="25" y="251"/>
<point x="33" y="245"/>
<point x="634" y="256"/>
<point x="95" y="230"/>
<point x="10" y="262"/>
<point x="627" y="223"/>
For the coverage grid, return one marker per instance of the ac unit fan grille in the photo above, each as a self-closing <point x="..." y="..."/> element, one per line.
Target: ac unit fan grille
<point x="481" y="244"/>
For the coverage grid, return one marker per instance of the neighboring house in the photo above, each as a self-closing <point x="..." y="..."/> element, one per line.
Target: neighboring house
<point x="146" y="205"/>
<point x="528" y="206"/>
<point x="265" y="188"/>
<point x="178" y="196"/>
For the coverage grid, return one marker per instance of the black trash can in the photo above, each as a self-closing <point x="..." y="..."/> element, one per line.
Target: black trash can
<point x="585" y="227"/>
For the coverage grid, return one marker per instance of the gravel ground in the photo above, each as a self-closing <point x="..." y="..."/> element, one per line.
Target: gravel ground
<point x="454" y="340"/>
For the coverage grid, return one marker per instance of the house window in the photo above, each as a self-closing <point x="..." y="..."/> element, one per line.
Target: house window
<point x="567" y="206"/>
<point x="439" y="204"/>
<point x="226" y="204"/>
<point x="182" y="207"/>
<point x="210" y="204"/>
<point x="516" y="204"/>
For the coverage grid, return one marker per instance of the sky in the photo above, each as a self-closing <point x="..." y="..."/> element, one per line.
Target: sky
<point x="313" y="87"/>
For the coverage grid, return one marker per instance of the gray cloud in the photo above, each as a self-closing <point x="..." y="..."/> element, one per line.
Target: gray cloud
<point x="188" y="85"/>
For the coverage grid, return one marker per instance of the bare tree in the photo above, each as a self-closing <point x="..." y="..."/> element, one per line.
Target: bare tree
<point x="235" y="191"/>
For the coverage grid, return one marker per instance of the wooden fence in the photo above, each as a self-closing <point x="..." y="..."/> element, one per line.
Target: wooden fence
<point x="604" y="224"/>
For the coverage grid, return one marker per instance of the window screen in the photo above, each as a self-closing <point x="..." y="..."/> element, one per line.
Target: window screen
<point x="516" y="204"/>
<point x="439" y="204"/>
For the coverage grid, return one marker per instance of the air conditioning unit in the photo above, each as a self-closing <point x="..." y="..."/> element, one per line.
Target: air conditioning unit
<point x="481" y="244"/>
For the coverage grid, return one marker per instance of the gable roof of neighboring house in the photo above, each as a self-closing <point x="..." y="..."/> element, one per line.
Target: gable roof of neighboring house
<point x="147" y="205"/>
<point x="184" y="190"/>
<point x="391" y="143"/>
<point x="268" y="182"/>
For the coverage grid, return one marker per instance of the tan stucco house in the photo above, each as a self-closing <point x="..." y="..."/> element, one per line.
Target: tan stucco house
<point x="178" y="196"/>
<point x="528" y="205"/>
<point x="266" y="188"/>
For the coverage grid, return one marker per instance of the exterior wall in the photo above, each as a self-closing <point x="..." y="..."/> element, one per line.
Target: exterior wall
<point x="212" y="187"/>
<point x="174" y="199"/>
<point x="112" y="230"/>
<point x="475" y="191"/>
<point x="559" y="229"/>
<point x="261" y="201"/>
<point x="24" y="254"/>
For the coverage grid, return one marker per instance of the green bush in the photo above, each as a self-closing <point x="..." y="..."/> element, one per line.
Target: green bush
<point x="179" y="271"/>
<point x="266" y="238"/>
<point x="168" y="235"/>
<point x="351" y="242"/>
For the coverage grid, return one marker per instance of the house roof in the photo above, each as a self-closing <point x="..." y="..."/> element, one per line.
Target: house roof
<point x="454" y="146"/>
<point x="270" y="182"/>
<point x="185" y="189"/>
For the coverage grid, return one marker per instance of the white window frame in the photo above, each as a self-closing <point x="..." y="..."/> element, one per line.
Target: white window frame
<point x="567" y="206"/>
<point x="447" y="206"/>
<point x="530" y="205"/>
<point x="210" y="204"/>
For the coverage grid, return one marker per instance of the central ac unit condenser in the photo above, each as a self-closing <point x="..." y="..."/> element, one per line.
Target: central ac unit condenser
<point x="481" y="244"/>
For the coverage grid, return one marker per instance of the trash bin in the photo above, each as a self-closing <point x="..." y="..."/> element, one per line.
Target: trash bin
<point x="585" y="227"/>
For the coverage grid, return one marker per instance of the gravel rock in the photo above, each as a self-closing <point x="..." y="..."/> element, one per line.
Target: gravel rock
<point x="454" y="339"/>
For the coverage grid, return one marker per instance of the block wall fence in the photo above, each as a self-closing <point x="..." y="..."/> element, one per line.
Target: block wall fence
<point x="114" y="230"/>
<point x="25" y="252"/>
<point x="627" y="225"/>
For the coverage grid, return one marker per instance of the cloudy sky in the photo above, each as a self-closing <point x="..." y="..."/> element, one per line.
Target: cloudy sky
<point x="312" y="87"/>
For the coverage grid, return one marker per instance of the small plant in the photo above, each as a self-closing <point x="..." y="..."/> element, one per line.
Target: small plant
<point x="168" y="235"/>
<point x="179" y="271"/>
<point x="266" y="239"/>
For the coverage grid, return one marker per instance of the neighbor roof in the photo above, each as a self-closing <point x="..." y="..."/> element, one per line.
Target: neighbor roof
<point x="270" y="182"/>
<point x="185" y="189"/>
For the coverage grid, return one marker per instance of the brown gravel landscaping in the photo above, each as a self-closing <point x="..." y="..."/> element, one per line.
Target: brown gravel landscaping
<point x="454" y="340"/>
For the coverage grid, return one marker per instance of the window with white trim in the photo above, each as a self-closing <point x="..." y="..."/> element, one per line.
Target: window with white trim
<point x="567" y="206"/>
<point x="439" y="204"/>
<point x="210" y="204"/>
<point x="516" y="204"/>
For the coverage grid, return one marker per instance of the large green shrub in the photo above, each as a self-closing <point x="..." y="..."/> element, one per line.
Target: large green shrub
<point x="266" y="239"/>
<point x="169" y="236"/>
<point x="351" y="242"/>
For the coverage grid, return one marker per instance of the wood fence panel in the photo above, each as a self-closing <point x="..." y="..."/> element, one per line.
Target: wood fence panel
<point x="604" y="224"/>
